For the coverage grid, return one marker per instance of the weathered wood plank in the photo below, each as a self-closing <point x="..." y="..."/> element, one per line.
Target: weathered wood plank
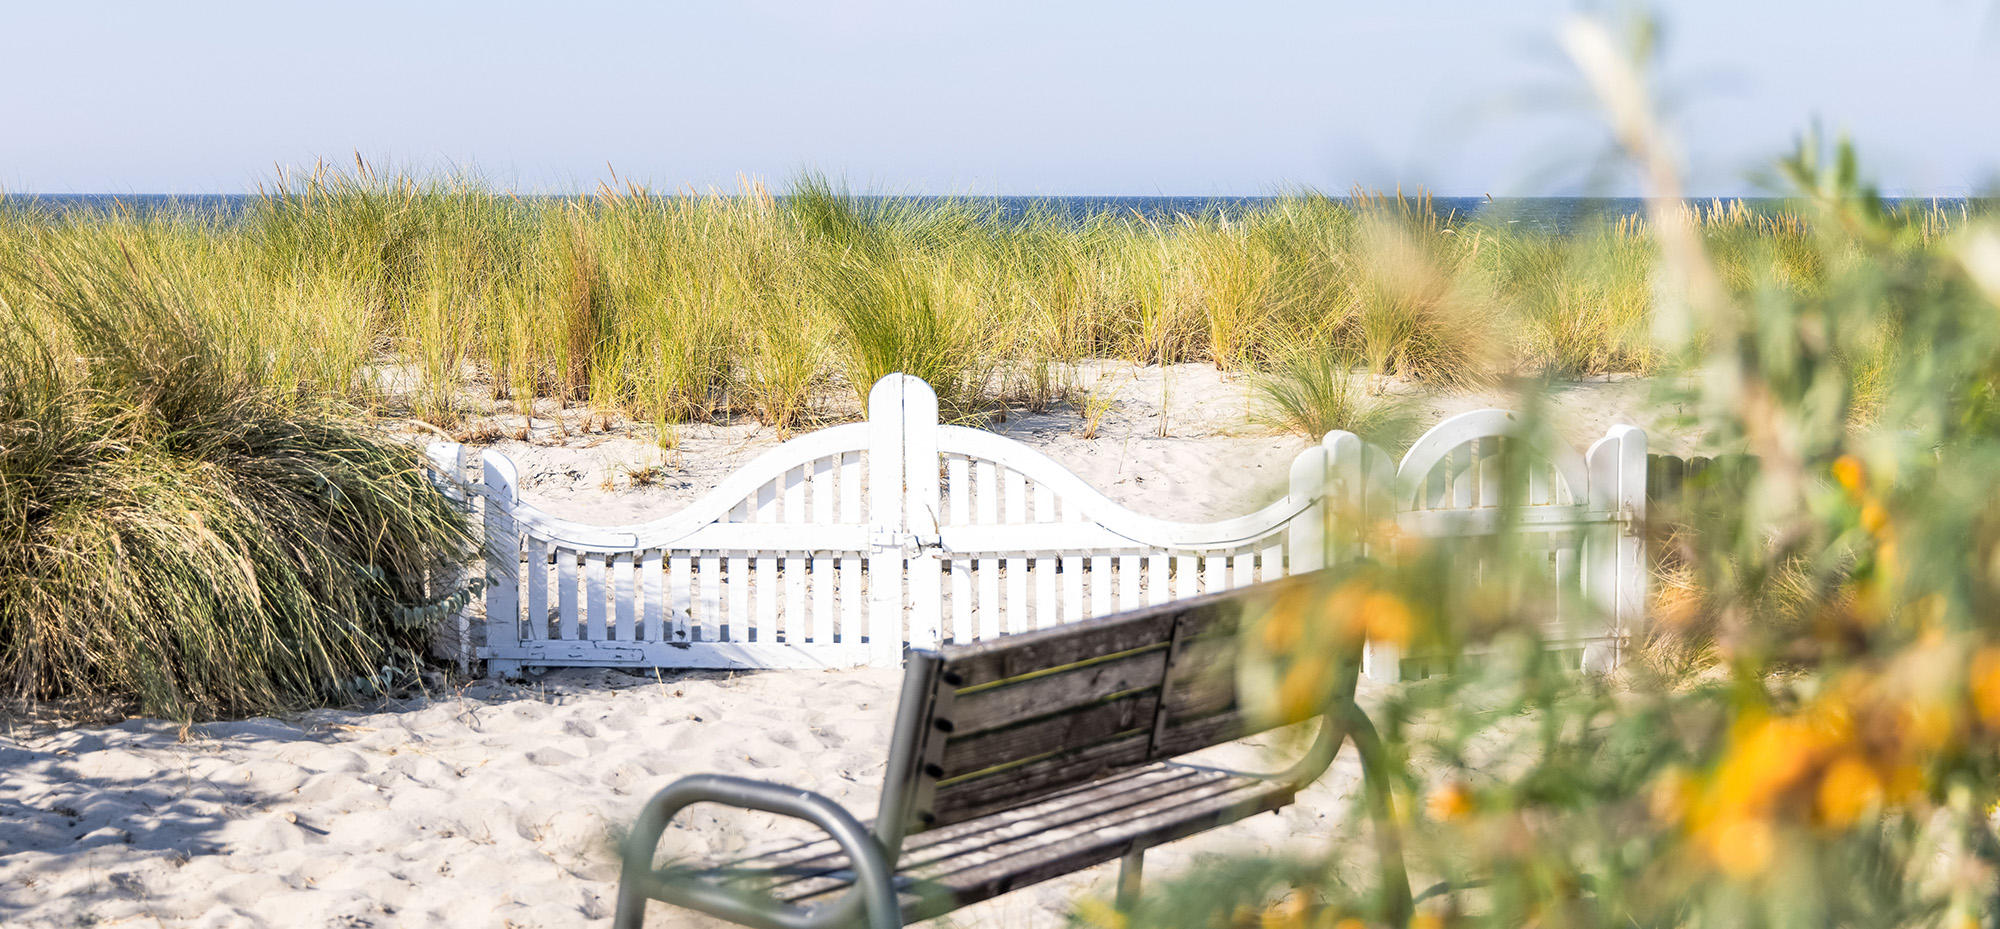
<point x="1057" y="690"/>
<point x="1047" y="735"/>
<point x="979" y="795"/>
<point x="1012" y="656"/>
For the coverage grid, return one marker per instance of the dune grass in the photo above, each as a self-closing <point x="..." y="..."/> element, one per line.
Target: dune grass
<point x="409" y="294"/>
<point x="189" y="526"/>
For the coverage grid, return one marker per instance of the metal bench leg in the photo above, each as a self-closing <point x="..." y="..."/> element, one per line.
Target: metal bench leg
<point x="1129" y="869"/>
<point x="1395" y="889"/>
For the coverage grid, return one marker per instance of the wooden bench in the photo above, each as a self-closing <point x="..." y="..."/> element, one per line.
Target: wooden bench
<point x="1013" y="761"/>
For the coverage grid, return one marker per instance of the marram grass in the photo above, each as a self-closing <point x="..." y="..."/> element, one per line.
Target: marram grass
<point x="674" y="308"/>
<point x="184" y="530"/>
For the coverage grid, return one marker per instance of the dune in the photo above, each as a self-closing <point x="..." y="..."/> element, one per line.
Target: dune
<point x="496" y="804"/>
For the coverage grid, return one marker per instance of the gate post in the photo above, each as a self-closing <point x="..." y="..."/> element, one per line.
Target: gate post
<point x="1615" y="569"/>
<point x="501" y="491"/>
<point x="921" y="513"/>
<point x="447" y="461"/>
<point x="885" y="520"/>
<point x="1306" y="535"/>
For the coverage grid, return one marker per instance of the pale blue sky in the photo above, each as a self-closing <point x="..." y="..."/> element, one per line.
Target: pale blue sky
<point x="1015" y="97"/>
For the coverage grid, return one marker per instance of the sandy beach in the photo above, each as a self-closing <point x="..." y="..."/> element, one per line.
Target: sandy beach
<point x="490" y="804"/>
<point x="494" y="806"/>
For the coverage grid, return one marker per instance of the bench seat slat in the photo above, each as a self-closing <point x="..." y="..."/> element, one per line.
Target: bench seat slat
<point x="947" y="868"/>
<point x="823" y="858"/>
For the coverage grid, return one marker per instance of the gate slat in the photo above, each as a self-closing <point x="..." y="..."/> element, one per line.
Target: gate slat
<point x="624" y="596"/>
<point x="852" y="597"/>
<point x="598" y="592"/>
<point x="985" y="494"/>
<point x="1072" y="588"/>
<point x="537" y="566"/>
<point x="710" y="624"/>
<point x="959" y="492"/>
<point x="652" y="582"/>
<point x="795" y="562"/>
<point x="1044" y="605"/>
<point x="1099" y="586"/>
<point x="822" y="492"/>
<point x="680" y="597"/>
<point x="568" y="627"/>
<point x="1128" y="582"/>
<point x="1017" y="566"/>
<point x="764" y="578"/>
<point x="1185" y="583"/>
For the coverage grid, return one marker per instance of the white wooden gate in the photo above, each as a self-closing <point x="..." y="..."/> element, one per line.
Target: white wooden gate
<point x="1581" y="516"/>
<point x="843" y="546"/>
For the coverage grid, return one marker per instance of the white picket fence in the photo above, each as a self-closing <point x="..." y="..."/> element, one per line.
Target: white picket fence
<point x="844" y="546"/>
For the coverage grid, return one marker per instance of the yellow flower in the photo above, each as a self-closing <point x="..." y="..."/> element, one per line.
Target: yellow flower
<point x="1427" y="921"/>
<point x="1386" y="619"/>
<point x="1099" y="914"/>
<point x="1741" y="845"/>
<point x="1449" y="802"/>
<point x="1874" y="517"/>
<point x="1284" y="624"/>
<point x="1985" y="683"/>
<point x="1849" y="788"/>
<point x="1300" y="690"/>
<point x="1289" y="913"/>
<point x="1849" y="473"/>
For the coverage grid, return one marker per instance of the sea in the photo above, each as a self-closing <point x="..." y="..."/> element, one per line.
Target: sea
<point x="1539" y="214"/>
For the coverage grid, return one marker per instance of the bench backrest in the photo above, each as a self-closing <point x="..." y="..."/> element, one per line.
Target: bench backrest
<point x="992" y="725"/>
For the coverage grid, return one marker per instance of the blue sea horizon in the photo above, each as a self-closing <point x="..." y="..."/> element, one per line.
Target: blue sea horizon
<point x="1541" y="214"/>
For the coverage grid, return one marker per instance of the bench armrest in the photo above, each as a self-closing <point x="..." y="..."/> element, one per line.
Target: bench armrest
<point x="873" y="892"/>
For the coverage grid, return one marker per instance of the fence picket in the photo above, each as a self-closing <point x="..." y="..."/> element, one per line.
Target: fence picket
<point x="823" y="500"/>
<point x="680" y="597"/>
<point x="568" y="626"/>
<point x="1017" y="566"/>
<point x="1045" y="602"/>
<point x="622" y="592"/>
<point x="536" y="563"/>
<point x="652" y="579"/>
<point x="985" y="494"/>
<point x="960" y="490"/>
<point x="852" y="598"/>
<point x="597" y="614"/>
<point x="836" y="547"/>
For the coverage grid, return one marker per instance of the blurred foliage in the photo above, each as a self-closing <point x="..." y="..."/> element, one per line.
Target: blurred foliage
<point x="1822" y="747"/>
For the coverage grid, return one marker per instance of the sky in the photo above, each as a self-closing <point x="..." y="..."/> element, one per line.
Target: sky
<point x="1462" y="97"/>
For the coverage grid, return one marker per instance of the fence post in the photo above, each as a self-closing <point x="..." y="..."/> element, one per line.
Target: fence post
<point x="447" y="461"/>
<point x="885" y="521"/>
<point x="1306" y="534"/>
<point x="1358" y="492"/>
<point x="922" y="501"/>
<point x="501" y="491"/>
<point x="1614" y="553"/>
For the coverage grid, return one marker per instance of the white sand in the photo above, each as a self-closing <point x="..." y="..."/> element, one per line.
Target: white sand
<point x="498" y="806"/>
